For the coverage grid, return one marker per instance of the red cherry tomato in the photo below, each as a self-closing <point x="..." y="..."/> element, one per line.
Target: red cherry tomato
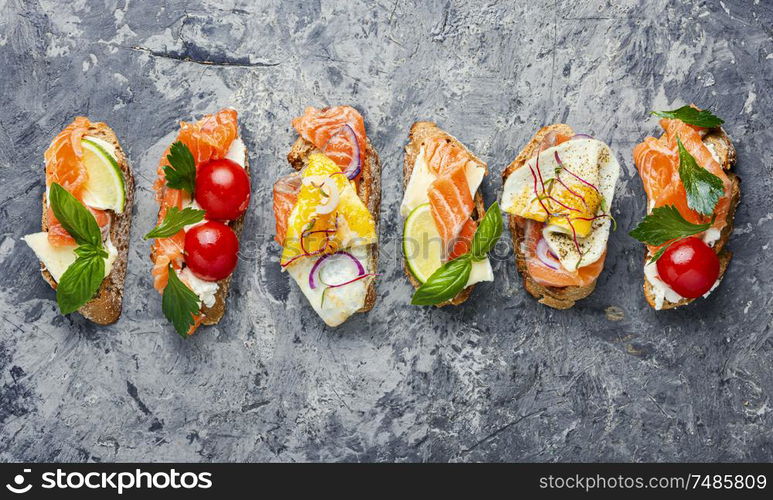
<point x="690" y="267"/>
<point x="222" y="189"/>
<point x="210" y="250"/>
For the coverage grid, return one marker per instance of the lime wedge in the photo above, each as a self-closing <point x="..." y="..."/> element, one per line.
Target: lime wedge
<point x="105" y="189"/>
<point x="422" y="245"/>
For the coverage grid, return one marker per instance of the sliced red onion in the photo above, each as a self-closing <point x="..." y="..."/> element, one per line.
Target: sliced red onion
<point x="355" y="165"/>
<point x="317" y="266"/>
<point x="546" y="256"/>
<point x="581" y="136"/>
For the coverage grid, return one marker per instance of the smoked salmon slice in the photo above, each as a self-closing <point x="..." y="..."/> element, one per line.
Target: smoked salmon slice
<point x="286" y="191"/>
<point x="463" y="243"/>
<point x="325" y="129"/>
<point x="64" y="158"/>
<point x="657" y="161"/>
<point x="207" y="139"/>
<point x="548" y="276"/>
<point x="451" y="202"/>
<point x="64" y="166"/>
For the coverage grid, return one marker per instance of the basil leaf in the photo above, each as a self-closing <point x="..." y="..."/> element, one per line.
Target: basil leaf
<point x="89" y="250"/>
<point x="74" y="217"/>
<point x="181" y="171"/>
<point x="703" y="188"/>
<point x="79" y="282"/>
<point x="179" y="304"/>
<point x="488" y="232"/>
<point x="175" y="220"/>
<point x="445" y="283"/>
<point x="692" y="116"/>
<point x="665" y="224"/>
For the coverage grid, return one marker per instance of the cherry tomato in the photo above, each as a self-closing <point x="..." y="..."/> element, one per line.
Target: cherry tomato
<point x="222" y="189"/>
<point x="210" y="250"/>
<point x="690" y="267"/>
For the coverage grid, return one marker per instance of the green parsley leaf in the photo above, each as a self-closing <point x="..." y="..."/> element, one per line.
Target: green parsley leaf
<point x="74" y="217"/>
<point x="692" y="116"/>
<point x="659" y="253"/>
<point x="488" y="232"/>
<point x="80" y="282"/>
<point x="665" y="224"/>
<point x="174" y="220"/>
<point x="445" y="283"/>
<point x="179" y="304"/>
<point x="703" y="188"/>
<point x="181" y="171"/>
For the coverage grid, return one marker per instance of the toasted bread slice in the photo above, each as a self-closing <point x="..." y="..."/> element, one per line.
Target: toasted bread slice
<point x="213" y="315"/>
<point x="555" y="297"/>
<point x="105" y="307"/>
<point x="369" y="191"/>
<point x="725" y="150"/>
<point x="420" y="132"/>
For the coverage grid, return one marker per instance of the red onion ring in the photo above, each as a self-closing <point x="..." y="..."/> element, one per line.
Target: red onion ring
<point x="355" y="165"/>
<point x="316" y="267"/>
<point x="546" y="256"/>
<point x="580" y="136"/>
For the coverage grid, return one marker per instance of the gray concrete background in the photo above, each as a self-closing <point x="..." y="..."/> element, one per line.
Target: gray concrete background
<point x="499" y="378"/>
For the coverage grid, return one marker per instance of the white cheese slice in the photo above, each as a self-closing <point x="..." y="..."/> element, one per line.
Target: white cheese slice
<point x="481" y="271"/>
<point x="475" y="175"/>
<point x="418" y="185"/>
<point x="205" y="290"/>
<point x="58" y="258"/>
<point x="711" y="236"/>
<point x="237" y="152"/>
<point x="660" y="289"/>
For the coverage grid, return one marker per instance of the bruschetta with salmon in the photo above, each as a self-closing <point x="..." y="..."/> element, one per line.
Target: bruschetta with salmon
<point x="692" y="196"/>
<point x="83" y="244"/>
<point x="203" y="192"/>
<point x="327" y="212"/>
<point x="443" y="215"/>
<point x="558" y="193"/>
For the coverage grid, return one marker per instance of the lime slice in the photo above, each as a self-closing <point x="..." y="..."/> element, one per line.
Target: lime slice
<point x="105" y="188"/>
<point x="422" y="245"/>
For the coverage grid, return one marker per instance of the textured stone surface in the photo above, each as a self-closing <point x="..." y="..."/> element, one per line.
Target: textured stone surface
<point x="499" y="378"/>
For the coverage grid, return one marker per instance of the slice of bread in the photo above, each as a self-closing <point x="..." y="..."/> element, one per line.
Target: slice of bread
<point x="369" y="191"/>
<point x="213" y="315"/>
<point x="105" y="307"/>
<point x="420" y="132"/>
<point x="723" y="146"/>
<point x="555" y="297"/>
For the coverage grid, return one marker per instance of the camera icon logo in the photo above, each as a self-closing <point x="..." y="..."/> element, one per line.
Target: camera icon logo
<point x="18" y="481"/>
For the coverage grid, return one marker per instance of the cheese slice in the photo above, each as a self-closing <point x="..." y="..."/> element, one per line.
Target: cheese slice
<point x="58" y="258"/>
